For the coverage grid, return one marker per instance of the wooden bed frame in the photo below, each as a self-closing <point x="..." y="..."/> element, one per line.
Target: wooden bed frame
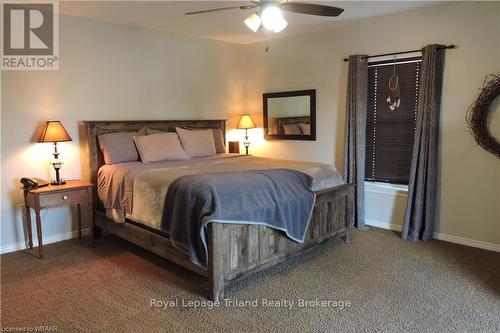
<point x="234" y="250"/>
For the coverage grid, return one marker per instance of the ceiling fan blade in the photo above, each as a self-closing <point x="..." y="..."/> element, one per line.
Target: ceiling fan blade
<point x="311" y="9"/>
<point x="220" y="9"/>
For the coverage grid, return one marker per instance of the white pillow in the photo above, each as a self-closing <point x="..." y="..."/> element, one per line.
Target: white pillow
<point x="159" y="147"/>
<point x="197" y="143"/>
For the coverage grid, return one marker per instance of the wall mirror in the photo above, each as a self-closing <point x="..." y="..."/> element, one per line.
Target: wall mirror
<point x="290" y="115"/>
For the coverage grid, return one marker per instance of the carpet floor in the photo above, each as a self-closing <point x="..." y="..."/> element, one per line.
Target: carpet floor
<point x="386" y="284"/>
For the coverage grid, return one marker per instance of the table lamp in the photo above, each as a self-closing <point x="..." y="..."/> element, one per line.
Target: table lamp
<point x="53" y="131"/>
<point x="246" y="123"/>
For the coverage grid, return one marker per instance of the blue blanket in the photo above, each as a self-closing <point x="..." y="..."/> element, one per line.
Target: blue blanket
<point x="281" y="199"/>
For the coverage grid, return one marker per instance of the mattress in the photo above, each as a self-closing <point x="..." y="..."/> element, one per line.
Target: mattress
<point x="116" y="183"/>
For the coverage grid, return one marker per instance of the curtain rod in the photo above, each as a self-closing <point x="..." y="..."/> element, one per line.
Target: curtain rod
<point x="403" y="52"/>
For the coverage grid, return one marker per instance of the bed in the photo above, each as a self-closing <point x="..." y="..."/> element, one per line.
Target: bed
<point x="233" y="250"/>
<point x="283" y="121"/>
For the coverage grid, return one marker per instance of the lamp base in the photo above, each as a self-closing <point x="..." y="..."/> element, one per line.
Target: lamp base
<point x="57" y="166"/>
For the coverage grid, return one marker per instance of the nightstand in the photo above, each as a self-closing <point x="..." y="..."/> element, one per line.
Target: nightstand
<point x="74" y="192"/>
<point x="234" y="147"/>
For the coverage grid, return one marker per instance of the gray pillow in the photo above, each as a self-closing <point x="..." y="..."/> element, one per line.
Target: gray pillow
<point x="143" y="131"/>
<point x="150" y="131"/>
<point x="160" y="147"/>
<point x="118" y="147"/>
<point x="197" y="143"/>
<point x="220" y="146"/>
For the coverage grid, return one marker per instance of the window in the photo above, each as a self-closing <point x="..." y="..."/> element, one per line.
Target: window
<point x="390" y="134"/>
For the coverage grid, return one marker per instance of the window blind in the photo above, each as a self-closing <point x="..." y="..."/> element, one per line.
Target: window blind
<point x="390" y="134"/>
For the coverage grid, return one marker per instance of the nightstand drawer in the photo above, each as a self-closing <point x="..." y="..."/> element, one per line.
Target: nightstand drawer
<point x="63" y="198"/>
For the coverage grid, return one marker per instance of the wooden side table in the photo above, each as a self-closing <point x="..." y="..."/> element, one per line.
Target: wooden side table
<point x="74" y="192"/>
<point x="234" y="147"/>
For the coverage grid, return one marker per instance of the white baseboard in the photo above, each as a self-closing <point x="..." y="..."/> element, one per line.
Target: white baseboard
<point x="46" y="240"/>
<point x="374" y="223"/>
<point x="438" y="235"/>
<point x="384" y="225"/>
<point x="467" y="241"/>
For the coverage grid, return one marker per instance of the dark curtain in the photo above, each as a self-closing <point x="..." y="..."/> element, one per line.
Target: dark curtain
<point x="355" y="132"/>
<point x="421" y="208"/>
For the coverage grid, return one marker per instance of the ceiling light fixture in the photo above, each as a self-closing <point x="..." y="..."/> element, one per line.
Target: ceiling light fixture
<point x="253" y="22"/>
<point x="271" y="18"/>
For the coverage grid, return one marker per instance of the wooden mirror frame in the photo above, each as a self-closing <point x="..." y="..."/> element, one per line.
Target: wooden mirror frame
<point x="312" y="95"/>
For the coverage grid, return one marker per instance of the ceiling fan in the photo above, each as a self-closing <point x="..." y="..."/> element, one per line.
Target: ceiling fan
<point x="269" y="13"/>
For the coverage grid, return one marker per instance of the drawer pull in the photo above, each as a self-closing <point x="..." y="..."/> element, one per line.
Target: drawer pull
<point x="65" y="197"/>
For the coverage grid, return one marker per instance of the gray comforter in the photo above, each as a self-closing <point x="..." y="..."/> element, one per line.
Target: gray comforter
<point x="280" y="198"/>
<point x="137" y="190"/>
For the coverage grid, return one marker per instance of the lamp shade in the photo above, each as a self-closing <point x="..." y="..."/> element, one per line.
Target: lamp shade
<point x="245" y="122"/>
<point x="54" y="131"/>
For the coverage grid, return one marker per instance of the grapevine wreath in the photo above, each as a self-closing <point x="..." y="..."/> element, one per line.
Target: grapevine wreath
<point x="479" y="112"/>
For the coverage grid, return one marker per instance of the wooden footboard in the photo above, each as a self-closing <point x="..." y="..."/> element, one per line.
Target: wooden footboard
<point x="236" y="250"/>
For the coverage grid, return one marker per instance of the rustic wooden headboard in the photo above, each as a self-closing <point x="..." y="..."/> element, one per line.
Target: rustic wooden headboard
<point x="92" y="129"/>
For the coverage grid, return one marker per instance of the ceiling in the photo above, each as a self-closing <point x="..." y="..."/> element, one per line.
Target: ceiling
<point x="168" y="16"/>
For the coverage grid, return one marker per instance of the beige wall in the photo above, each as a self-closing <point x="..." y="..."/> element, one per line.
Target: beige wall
<point x="106" y="72"/>
<point x="469" y="182"/>
<point x="112" y="71"/>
